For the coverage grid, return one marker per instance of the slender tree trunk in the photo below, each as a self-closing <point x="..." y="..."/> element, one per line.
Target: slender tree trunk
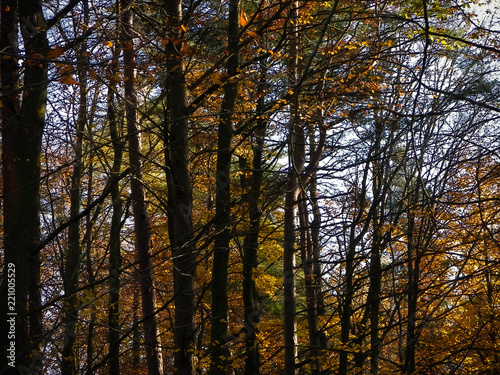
<point x="310" y="250"/>
<point x="355" y="237"/>
<point x="306" y="244"/>
<point x="289" y="320"/>
<point x="180" y="199"/>
<point x="87" y="241"/>
<point x="219" y="333"/>
<point x="250" y="247"/>
<point x="115" y="258"/>
<point x="296" y="152"/>
<point x="315" y="227"/>
<point x="136" y="339"/>
<point x="413" y="270"/>
<point x="346" y="312"/>
<point x="88" y="250"/>
<point x="21" y="151"/>
<point x="373" y="298"/>
<point x="416" y="243"/>
<point x="73" y="254"/>
<point x="141" y="219"/>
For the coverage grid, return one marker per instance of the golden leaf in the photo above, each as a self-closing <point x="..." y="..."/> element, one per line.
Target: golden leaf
<point x="253" y="34"/>
<point x="243" y="19"/>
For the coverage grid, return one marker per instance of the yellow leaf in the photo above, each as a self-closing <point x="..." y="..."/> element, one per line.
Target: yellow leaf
<point x="183" y="28"/>
<point x="108" y="44"/>
<point x="217" y="78"/>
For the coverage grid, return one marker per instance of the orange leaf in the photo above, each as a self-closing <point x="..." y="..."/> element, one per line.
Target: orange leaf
<point x="55" y="52"/>
<point x="66" y="69"/>
<point x="243" y="19"/>
<point x="253" y="34"/>
<point x="186" y="50"/>
<point x="108" y="44"/>
<point x="67" y="80"/>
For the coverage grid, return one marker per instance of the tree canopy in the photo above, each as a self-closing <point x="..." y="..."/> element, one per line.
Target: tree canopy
<point x="250" y="187"/>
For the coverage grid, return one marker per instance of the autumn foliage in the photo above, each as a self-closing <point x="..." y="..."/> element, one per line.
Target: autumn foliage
<point x="250" y="187"/>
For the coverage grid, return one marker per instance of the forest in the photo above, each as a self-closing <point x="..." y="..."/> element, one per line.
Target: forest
<point x="254" y="187"/>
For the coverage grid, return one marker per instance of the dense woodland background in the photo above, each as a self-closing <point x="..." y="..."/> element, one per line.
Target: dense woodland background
<point x="250" y="187"/>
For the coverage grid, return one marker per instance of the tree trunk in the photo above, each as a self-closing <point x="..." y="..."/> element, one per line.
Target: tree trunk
<point x="296" y="152"/>
<point x="21" y="151"/>
<point x="310" y="248"/>
<point x="180" y="199"/>
<point x="73" y="254"/>
<point x="141" y="219"/>
<point x="219" y="333"/>
<point x="88" y="250"/>
<point x="413" y="275"/>
<point x="373" y="298"/>
<point x="355" y="237"/>
<point x="250" y="247"/>
<point x="115" y="258"/>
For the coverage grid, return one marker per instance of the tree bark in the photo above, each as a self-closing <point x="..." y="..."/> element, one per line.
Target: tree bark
<point x="73" y="254"/>
<point x="115" y="258"/>
<point x="250" y="247"/>
<point x="373" y="298"/>
<point x="22" y="129"/>
<point x="141" y="218"/>
<point x="296" y="152"/>
<point x="219" y="333"/>
<point x="180" y="199"/>
<point x="413" y="281"/>
<point x="355" y="237"/>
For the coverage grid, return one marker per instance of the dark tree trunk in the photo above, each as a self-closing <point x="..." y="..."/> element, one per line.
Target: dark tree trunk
<point x="115" y="258"/>
<point x="180" y="200"/>
<point x="346" y="310"/>
<point x="73" y="254"/>
<point x="219" y="333"/>
<point x="250" y="247"/>
<point x="22" y="129"/>
<point x="373" y="298"/>
<point x="141" y="218"/>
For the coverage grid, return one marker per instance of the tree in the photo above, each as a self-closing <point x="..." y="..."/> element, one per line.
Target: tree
<point x="22" y="128"/>
<point x="141" y="217"/>
<point x="296" y="187"/>
<point x="222" y="220"/>
<point x="180" y="199"/>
